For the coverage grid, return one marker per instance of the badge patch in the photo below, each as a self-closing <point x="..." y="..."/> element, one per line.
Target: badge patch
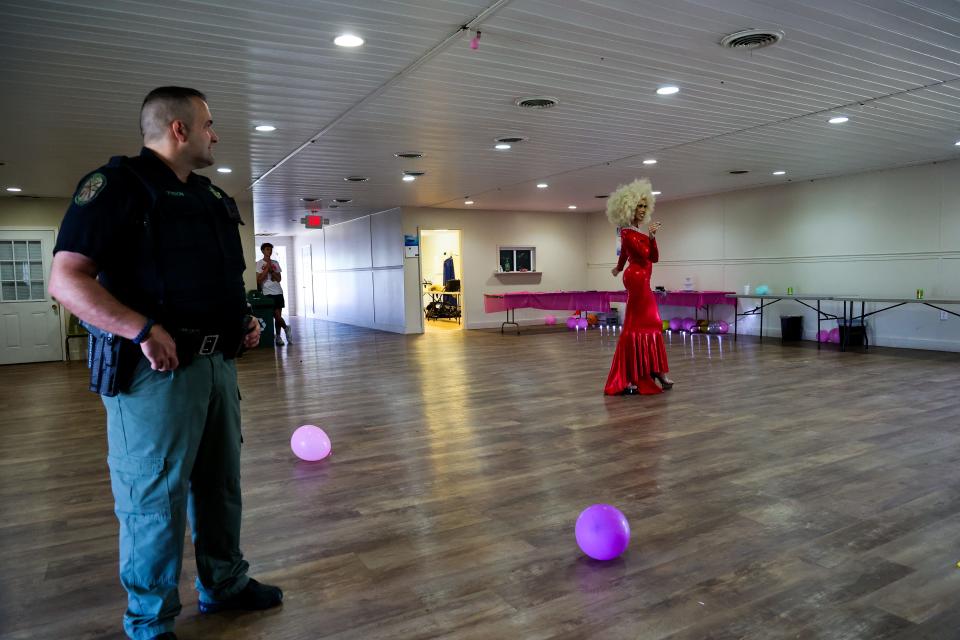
<point x="90" y="189"/>
<point x="215" y="192"/>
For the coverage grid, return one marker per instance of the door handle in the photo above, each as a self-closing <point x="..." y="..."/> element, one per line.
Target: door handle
<point x="56" y="308"/>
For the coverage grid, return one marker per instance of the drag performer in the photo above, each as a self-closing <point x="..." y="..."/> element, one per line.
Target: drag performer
<point x="640" y="359"/>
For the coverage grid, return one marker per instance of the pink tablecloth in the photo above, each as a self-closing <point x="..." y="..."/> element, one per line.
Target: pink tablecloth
<point x="558" y="300"/>
<point x="593" y="300"/>
<point x="694" y="298"/>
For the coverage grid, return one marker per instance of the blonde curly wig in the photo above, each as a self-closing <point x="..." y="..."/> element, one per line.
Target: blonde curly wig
<point x="622" y="203"/>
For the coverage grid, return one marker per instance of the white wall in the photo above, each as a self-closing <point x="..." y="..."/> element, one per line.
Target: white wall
<point x="560" y="239"/>
<point x="883" y="233"/>
<point x="357" y="272"/>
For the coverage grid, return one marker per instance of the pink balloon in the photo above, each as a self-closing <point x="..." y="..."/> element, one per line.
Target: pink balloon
<point x="723" y="326"/>
<point x="602" y="532"/>
<point x="550" y="320"/>
<point x="823" y="336"/>
<point x="310" y="443"/>
<point x="676" y="324"/>
<point x="834" y="336"/>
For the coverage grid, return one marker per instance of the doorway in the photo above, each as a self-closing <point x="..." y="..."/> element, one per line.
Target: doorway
<point x="441" y="268"/>
<point x="30" y="327"/>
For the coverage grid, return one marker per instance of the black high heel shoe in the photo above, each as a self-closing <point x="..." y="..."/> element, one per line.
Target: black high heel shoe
<point x="662" y="379"/>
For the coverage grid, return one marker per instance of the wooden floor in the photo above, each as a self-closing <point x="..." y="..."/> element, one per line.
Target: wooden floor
<point x="775" y="492"/>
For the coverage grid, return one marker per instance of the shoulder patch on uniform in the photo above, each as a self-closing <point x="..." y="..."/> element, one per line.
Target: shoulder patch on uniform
<point x="90" y="189"/>
<point x="214" y="192"/>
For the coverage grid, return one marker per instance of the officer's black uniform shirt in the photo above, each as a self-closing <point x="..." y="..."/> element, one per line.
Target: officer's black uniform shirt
<point x="169" y="249"/>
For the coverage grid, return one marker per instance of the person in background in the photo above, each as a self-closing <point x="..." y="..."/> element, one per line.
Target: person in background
<point x="268" y="279"/>
<point x="640" y="358"/>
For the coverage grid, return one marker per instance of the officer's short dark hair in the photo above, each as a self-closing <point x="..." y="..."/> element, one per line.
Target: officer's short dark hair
<point x="265" y="245"/>
<point x="162" y="106"/>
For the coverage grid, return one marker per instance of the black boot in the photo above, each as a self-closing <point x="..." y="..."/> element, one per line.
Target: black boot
<point x="253" y="597"/>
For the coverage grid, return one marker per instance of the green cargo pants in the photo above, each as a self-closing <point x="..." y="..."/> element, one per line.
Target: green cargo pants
<point x="174" y="451"/>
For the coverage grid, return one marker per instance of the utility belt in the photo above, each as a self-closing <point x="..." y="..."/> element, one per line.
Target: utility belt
<point x="112" y="359"/>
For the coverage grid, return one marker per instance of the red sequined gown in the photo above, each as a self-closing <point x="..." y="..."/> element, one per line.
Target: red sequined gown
<point x="640" y="349"/>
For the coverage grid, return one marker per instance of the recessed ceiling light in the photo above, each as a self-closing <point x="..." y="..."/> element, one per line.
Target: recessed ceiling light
<point x="571" y="206"/>
<point x="668" y="90"/>
<point x="838" y="119"/>
<point x="348" y="40"/>
<point x="224" y="170"/>
<point x="14" y="189"/>
<point x="468" y="202"/>
<point x="409" y="178"/>
<point x="656" y="193"/>
<point x="542" y="185"/>
<point x="266" y="128"/>
<point x="650" y="161"/>
<point x="957" y="143"/>
<point x="503" y="146"/>
<point x="779" y="173"/>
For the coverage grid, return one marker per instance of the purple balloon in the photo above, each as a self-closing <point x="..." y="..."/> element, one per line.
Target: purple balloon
<point x="823" y="336"/>
<point x="310" y="443"/>
<point x="834" y="336"/>
<point x="603" y="532"/>
<point x="689" y="324"/>
<point x="676" y="324"/>
<point x="723" y="327"/>
<point x="582" y="323"/>
<point x="571" y="322"/>
<point x="550" y="320"/>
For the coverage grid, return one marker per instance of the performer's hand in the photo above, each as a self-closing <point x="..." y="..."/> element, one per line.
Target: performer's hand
<point x="654" y="227"/>
<point x="252" y="339"/>
<point x="160" y="349"/>
<point x="615" y="272"/>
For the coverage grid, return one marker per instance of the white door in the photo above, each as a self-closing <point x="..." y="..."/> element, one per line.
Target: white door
<point x="29" y="318"/>
<point x="306" y="285"/>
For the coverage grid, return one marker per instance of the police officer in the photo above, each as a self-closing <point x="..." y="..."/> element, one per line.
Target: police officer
<point x="151" y="251"/>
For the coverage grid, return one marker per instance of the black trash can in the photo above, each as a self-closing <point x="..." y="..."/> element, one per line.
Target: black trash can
<point x="791" y="328"/>
<point x="262" y="307"/>
<point x="854" y="334"/>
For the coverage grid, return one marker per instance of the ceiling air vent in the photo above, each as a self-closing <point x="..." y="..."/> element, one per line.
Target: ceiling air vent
<point x="408" y="154"/>
<point x="343" y="200"/>
<point x="536" y="102"/>
<point x="602" y="196"/>
<point x="739" y="172"/>
<point x="414" y="173"/>
<point x="309" y="199"/>
<point x="356" y="178"/>
<point x="752" y="39"/>
<point x="511" y="139"/>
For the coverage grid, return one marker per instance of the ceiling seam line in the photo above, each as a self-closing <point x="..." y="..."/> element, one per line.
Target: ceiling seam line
<point x="400" y="75"/>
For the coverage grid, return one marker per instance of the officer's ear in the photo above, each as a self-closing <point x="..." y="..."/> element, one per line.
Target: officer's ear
<point x="180" y="130"/>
